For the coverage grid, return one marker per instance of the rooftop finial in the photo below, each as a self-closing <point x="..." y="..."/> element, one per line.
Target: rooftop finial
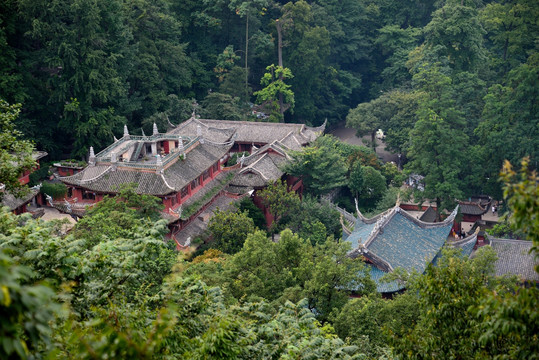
<point x="181" y="149"/>
<point x="113" y="157"/>
<point x="199" y="134"/>
<point x="113" y="160"/>
<point x="155" y="131"/>
<point x="195" y="104"/>
<point x="91" y="158"/>
<point x="126" y="132"/>
<point x="158" y="164"/>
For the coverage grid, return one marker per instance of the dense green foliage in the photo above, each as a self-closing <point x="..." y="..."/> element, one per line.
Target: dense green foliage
<point x="462" y="74"/>
<point x="229" y="229"/>
<point x="467" y="98"/>
<point x="124" y="292"/>
<point x="55" y="190"/>
<point x="453" y="84"/>
<point x="15" y="153"/>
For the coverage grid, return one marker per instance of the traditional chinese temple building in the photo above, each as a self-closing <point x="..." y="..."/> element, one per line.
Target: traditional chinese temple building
<point x="185" y="165"/>
<point x="396" y="239"/>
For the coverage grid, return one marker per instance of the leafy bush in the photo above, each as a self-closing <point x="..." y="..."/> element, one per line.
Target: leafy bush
<point x="55" y="190"/>
<point x="233" y="160"/>
<point x="246" y="204"/>
<point x="40" y="174"/>
<point x="73" y="163"/>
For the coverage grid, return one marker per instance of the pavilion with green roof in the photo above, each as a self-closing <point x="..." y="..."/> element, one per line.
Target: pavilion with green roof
<point x="396" y="239"/>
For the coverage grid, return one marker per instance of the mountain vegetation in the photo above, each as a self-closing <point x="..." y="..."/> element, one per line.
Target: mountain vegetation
<point x="460" y="74"/>
<point x="453" y="84"/>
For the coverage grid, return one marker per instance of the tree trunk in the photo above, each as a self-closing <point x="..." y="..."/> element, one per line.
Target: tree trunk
<point x="438" y="210"/>
<point x="246" y="57"/>
<point x="280" y="59"/>
<point x="373" y="141"/>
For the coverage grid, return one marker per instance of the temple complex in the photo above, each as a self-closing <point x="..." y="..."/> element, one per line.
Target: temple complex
<point x="185" y="166"/>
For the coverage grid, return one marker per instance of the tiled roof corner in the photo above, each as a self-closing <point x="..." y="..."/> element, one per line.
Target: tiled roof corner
<point x="514" y="258"/>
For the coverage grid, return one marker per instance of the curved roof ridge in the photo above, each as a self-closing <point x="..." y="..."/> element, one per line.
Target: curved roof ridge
<point x="201" y="121"/>
<point x="251" y="166"/>
<point x="501" y="240"/>
<point x="473" y="203"/>
<point x="320" y="128"/>
<point x="83" y="181"/>
<point x="165" y="181"/>
<point x="372" y="220"/>
<point x="378" y="261"/>
<point x="425" y="224"/>
<point x="382" y="221"/>
<point x="254" y="170"/>
<point x="466" y="240"/>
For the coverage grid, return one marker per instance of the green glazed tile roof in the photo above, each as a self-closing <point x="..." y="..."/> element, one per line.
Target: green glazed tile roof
<point x="360" y="234"/>
<point x="402" y="243"/>
<point x="383" y="287"/>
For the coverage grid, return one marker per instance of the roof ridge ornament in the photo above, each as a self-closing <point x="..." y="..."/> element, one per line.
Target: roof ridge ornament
<point x="169" y="123"/>
<point x="199" y="134"/>
<point x="242" y="159"/>
<point x="113" y="160"/>
<point x="155" y="130"/>
<point x="159" y="165"/>
<point x="143" y="134"/>
<point x="126" y="132"/>
<point x="91" y="158"/>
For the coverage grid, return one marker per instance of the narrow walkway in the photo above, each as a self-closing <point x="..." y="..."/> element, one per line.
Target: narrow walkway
<point x="198" y="225"/>
<point x="348" y="136"/>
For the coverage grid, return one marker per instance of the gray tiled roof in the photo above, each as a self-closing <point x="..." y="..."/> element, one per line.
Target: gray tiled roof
<point x="476" y="206"/>
<point x="218" y="134"/>
<point x="259" y="170"/>
<point x="13" y="202"/>
<point x="360" y="234"/>
<point x="472" y="208"/>
<point x="383" y="286"/>
<point x="263" y="132"/>
<point x="429" y="215"/>
<point x="102" y="178"/>
<point x="294" y="141"/>
<point x="514" y="258"/>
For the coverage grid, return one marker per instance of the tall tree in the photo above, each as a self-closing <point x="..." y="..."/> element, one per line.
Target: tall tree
<point x="512" y="29"/>
<point x="276" y="89"/>
<point x="456" y="33"/>
<point x="319" y="166"/>
<point x="158" y="65"/>
<point x="81" y="46"/>
<point x="229" y="229"/>
<point x="279" y="202"/>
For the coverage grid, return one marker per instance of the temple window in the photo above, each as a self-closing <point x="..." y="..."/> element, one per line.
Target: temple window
<point x="206" y="175"/>
<point x="88" y="195"/>
<point x="195" y="183"/>
<point x="185" y="192"/>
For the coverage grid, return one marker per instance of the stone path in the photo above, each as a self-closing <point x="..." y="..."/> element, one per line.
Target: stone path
<point x="349" y="136"/>
<point x="53" y="214"/>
